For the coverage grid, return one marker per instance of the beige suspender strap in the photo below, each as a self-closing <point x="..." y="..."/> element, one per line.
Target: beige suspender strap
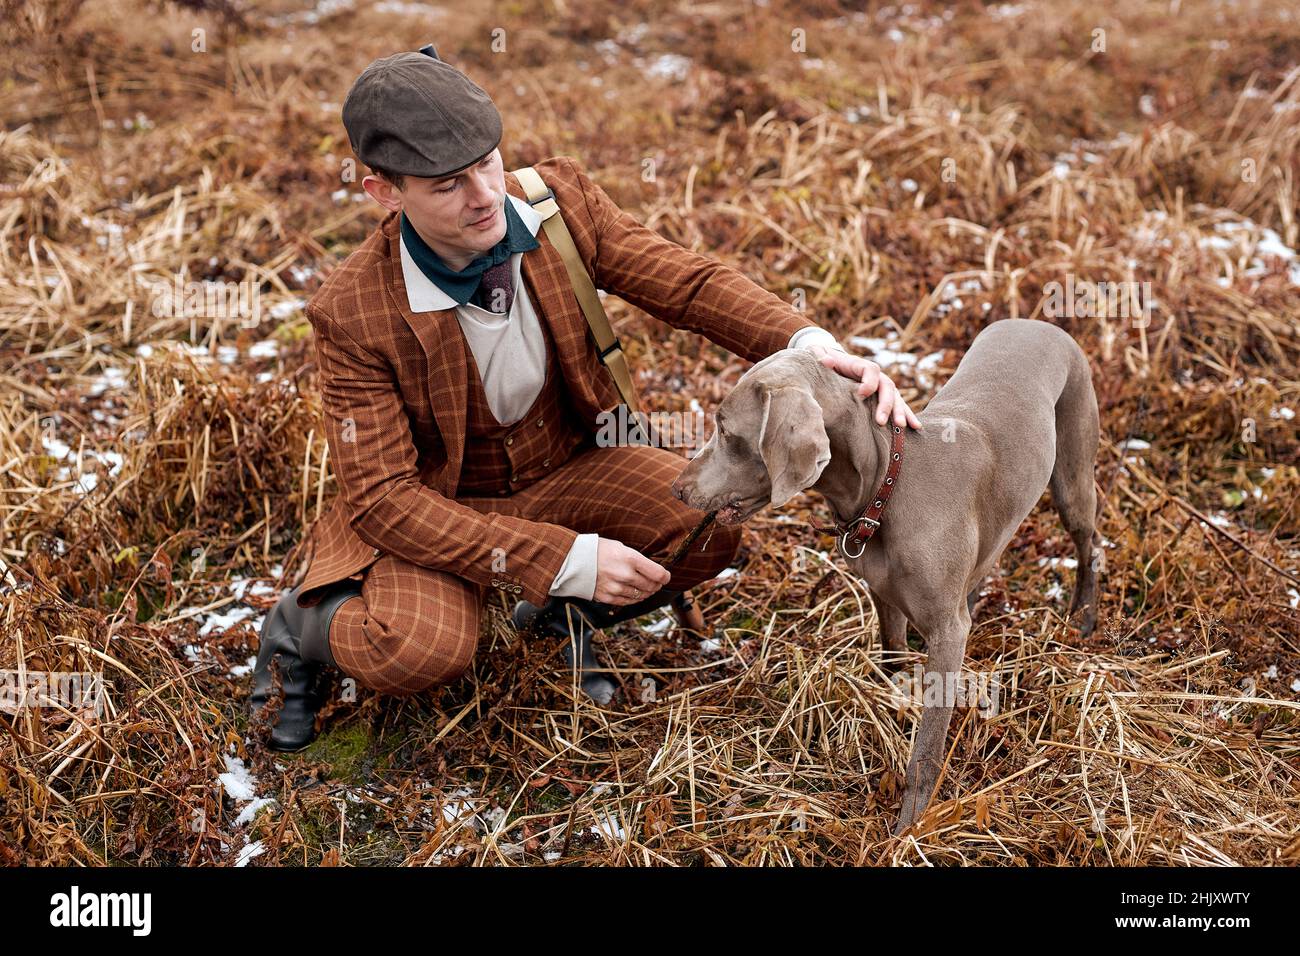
<point x="611" y="351"/>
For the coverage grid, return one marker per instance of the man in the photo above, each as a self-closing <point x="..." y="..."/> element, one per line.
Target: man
<point x="461" y="392"/>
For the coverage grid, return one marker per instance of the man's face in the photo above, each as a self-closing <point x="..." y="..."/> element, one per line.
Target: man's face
<point x="449" y="214"/>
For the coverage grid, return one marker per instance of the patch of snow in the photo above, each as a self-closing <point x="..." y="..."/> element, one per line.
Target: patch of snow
<point x="672" y="66"/>
<point x="317" y="12"/>
<point x="87" y="481"/>
<point x="408" y="9"/>
<point x="239" y="784"/>
<point x="246" y="815"/>
<point x="240" y="586"/>
<point x="1006" y="11"/>
<point x="223" y="621"/>
<point x="607" y="826"/>
<point x="112" y="377"/>
<point x="256" y="848"/>
<point x="282" y="310"/>
<point x="1245" y="235"/>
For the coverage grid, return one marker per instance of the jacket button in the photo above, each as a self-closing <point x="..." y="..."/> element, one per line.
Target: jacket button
<point x="510" y="441"/>
<point x="539" y="423"/>
<point x="503" y="491"/>
<point x="547" y="463"/>
<point x="513" y="479"/>
<point x="376" y="552"/>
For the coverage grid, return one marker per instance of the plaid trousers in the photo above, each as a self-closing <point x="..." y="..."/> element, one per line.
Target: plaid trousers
<point x="413" y="628"/>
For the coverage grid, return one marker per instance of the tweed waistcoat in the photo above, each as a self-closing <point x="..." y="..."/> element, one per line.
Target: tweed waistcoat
<point x="501" y="459"/>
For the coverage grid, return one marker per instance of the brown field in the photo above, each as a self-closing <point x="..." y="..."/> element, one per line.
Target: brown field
<point x="908" y="175"/>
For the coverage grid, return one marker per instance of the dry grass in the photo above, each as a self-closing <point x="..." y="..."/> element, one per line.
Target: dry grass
<point x="1169" y="738"/>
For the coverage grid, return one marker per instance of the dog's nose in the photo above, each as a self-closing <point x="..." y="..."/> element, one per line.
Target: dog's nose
<point x="679" y="490"/>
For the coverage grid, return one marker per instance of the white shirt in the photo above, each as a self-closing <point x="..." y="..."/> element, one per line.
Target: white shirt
<point x="510" y="352"/>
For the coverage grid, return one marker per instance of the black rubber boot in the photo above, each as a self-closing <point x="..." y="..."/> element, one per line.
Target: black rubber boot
<point x="300" y="637"/>
<point x="554" y="617"/>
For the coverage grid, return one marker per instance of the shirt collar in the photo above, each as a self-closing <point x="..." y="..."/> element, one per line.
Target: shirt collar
<point x="422" y="294"/>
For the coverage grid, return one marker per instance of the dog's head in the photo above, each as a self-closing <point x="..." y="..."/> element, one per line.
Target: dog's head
<point x="768" y="444"/>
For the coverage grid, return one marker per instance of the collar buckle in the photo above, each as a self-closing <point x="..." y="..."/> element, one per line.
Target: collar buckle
<point x="849" y="531"/>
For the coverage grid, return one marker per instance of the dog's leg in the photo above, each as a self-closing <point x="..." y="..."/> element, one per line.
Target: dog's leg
<point x="947" y="644"/>
<point x="893" y="625"/>
<point x="1075" y="498"/>
<point x="1073" y="490"/>
<point x="1084" y="602"/>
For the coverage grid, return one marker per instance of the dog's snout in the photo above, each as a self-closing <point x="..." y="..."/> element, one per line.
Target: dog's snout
<point x="679" y="489"/>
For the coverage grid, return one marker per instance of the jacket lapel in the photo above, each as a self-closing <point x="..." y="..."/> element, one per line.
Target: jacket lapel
<point x="444" y="347"/>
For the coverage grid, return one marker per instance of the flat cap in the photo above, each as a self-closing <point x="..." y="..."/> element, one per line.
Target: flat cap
<point x="414" y="114"/>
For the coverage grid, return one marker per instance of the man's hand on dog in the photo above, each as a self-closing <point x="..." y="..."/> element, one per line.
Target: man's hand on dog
<point x="872" y="379"/>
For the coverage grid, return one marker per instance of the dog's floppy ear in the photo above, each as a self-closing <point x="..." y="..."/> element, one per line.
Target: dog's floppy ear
<point x="792" y="441"/>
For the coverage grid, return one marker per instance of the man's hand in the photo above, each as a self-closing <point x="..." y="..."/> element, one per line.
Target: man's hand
<point x="873" y="380"/>
<point x="625" y="575"/>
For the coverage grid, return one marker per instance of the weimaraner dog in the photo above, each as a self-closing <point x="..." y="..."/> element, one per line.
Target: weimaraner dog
<point x="1018" y="415"/>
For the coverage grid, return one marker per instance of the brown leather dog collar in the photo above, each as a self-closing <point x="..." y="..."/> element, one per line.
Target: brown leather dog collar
<point x="861" y="528"/>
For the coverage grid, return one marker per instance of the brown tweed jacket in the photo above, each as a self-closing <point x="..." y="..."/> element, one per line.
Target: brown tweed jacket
<point x="394" y="386"/>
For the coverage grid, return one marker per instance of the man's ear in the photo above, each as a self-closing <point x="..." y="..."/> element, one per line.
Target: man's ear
<point x="383" y="192"/>
<point x="792" y="441"/>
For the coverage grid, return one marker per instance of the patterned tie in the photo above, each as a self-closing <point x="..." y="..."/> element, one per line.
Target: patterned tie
<point x="495" y="290"/>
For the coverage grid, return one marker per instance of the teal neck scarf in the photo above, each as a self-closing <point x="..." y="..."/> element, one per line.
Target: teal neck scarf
<point x="462" y="285"/>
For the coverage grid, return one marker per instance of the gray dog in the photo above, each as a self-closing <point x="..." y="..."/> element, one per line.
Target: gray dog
<point x="1018" y="415"/>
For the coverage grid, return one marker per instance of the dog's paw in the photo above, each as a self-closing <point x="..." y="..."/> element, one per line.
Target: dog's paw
<point x="1085" y="619"/>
